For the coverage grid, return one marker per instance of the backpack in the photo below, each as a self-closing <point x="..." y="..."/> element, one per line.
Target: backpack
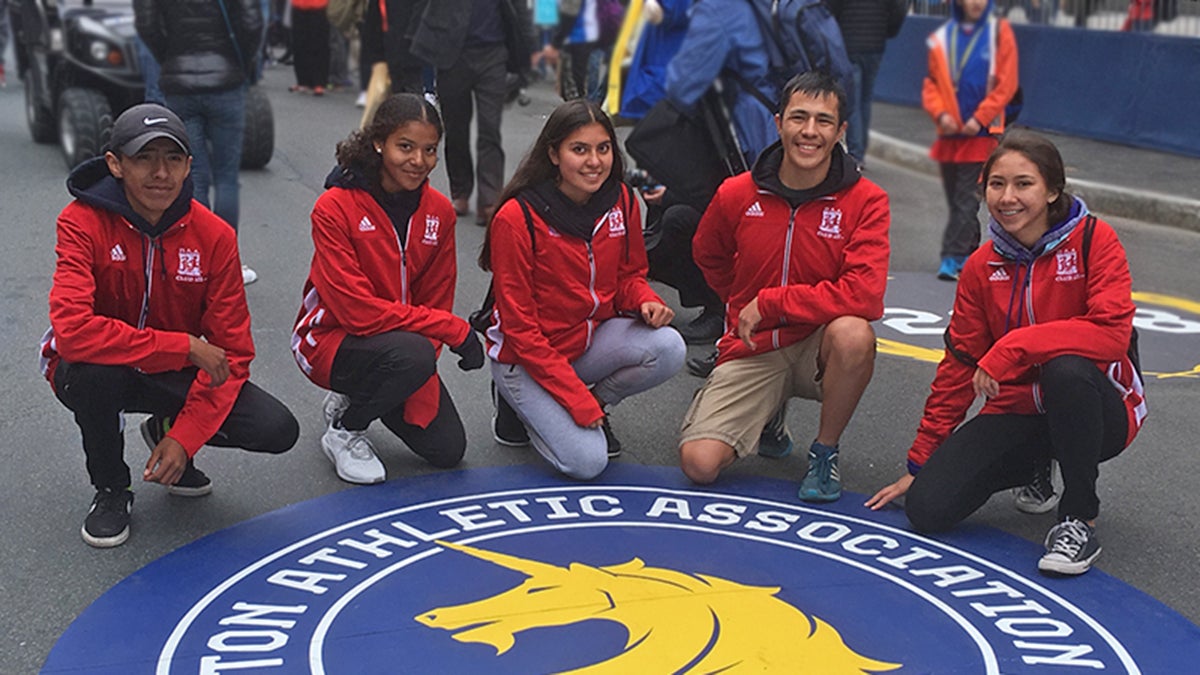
<point x="345" y="15"/>
<point x="803" y="35"/>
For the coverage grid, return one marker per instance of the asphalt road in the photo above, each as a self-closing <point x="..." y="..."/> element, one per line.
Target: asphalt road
<point x="1151" y="516"/>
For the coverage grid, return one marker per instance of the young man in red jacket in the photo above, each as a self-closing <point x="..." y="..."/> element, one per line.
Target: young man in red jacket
<point x="148" y="314"/>
<point x="798" y="250"/>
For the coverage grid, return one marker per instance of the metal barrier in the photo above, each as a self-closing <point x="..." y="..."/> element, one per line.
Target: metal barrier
<point x="1163" y="17"/>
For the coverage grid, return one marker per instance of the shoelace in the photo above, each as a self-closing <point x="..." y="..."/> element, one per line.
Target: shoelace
<point x="1069" y="538"/>
<point x="823" y="466"/>
<point x="111" y="502"/>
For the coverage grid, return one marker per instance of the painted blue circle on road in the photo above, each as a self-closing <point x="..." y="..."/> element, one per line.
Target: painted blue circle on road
<point x="512" y="570"/>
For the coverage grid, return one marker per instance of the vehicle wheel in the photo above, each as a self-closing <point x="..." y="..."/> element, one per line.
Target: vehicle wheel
<point x="258" y="139"/>
<point x="84" y="124"/>
<point x="41" y="120"/>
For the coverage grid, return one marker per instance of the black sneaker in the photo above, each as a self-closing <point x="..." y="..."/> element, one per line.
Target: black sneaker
<point x="701" y="366"/>
<point x="775" y="442"/>
<point x="1071" y="548"/>
<point x="107" y="522"/>
<point x="193" y="482"/>
<point x="614" y="445"/>
<point x="704" y="329"/>
<point x="1039" y="495"/>
<point x="507" y="428"/>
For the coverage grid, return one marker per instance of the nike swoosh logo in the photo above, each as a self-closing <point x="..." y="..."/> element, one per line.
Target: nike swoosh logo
<point x="153" y="120"/>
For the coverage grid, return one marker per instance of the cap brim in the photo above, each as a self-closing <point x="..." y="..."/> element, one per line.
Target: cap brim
<point x="134" y="146"/>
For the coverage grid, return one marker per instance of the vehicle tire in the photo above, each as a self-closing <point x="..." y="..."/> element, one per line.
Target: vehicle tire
<point x="41" y="120"/>
<point x="84" y="124"/>
<point x="258" y="139"/>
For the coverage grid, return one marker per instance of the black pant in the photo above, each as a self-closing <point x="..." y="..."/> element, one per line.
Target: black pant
<point x="310" y="47"/>
<point x="479" y="72"/>
<point x="671" y="259"/>
<point x="98" y="395"/>
<point x="1085" y="424"/>
<point x="379" y="373"/>
<point x="961" y="184"/>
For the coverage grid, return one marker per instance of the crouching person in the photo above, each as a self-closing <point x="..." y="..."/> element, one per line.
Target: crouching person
<point x="148" y="314"/>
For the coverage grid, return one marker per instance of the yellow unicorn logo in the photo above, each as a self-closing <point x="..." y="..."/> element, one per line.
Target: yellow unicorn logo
<point x="677" y="622"/>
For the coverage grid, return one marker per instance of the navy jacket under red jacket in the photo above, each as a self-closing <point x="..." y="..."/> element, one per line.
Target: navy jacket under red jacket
<point x="807" y="264"/>
<point x="1012" y="316"/>
<point x="364" y="282"/>
<point x="553" y="292"/>
<point x="124" y="297"/>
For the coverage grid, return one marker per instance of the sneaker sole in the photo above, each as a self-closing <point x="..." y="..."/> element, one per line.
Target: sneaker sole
<point x="105" y="542"/>
<point x="818" y="496"/>
<point x="337" y="469"/>
<point x="200" y="491"/>
<point x="509" y="444"/>
<point x="1035" y="508"/>
<point x="147" y="436"/>
<point x="1068" y="568"/>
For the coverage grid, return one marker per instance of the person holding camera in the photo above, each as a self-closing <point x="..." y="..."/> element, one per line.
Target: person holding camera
<point x="379" y="296"/>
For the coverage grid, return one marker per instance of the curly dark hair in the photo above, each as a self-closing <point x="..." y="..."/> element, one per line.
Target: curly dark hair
<point x="358" y="153"/>
<point x="536" y="166"/>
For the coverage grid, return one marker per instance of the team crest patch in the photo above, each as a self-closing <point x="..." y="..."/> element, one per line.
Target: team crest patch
<point x="512" y="570"/>
<point x="616" y="223"/>
<point x="831" y="223"/>
<point x="1067" y="265"/>
<point x="189" y="266"/>
<point x="432" y="223"/>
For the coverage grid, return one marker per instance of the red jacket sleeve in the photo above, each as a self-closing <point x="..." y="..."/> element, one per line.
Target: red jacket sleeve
<point x="632" y="287"/>
<point x="1102" y="334"/>
<point x="513" y="262"/>
<point x="952" y="393"/>
<point x="226" y="324"/>
<point x="858" y="287"/>
<point x="81" y="335"/>
<point x="350" y="294"/>
<point x="714" y="245"/>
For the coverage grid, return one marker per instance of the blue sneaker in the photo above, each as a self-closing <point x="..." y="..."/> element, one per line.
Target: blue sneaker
<point x="951" y="267"/>
<point x="821" y="483"/>
<point x="775" y="441"/>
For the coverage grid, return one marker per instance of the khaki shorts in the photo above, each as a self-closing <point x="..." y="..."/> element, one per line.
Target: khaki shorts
<point x="740" y="396"/>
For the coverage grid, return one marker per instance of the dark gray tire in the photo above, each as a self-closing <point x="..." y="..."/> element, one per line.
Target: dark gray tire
<point x="41" y="120"/>
<point x="85" y="122"/>
<point x="258" y="139"/>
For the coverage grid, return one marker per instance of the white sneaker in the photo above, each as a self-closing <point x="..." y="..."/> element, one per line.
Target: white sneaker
<point x="334" y="406"/>
<point x="249" y="276"/>
<point x="353" y="456"/>
<point x="361" y="101"/>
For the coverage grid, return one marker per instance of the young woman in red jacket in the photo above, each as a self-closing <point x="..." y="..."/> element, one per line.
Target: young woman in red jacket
<point x="1041" y="329"/>
<point x="575" y="327"/>
<point x="378" y="299"/>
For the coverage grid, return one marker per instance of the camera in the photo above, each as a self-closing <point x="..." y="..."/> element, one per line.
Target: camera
<point x="641" y="180"/>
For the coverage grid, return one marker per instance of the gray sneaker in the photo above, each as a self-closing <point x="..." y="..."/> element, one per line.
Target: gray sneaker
<point x="1039" y="495"/>
<point x="1071" y="548"/>
<point x="352" y="455"/>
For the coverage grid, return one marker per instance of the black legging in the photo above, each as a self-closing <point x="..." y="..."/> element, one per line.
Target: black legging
<point x="379" y="373"/>
<point x="98" y="395"/>
<point x="310" y="47"/>
<point x="1085" y="424"/>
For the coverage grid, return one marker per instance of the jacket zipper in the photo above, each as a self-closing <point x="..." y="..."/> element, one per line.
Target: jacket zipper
<point x="148" y="272"/>
<point x="787" y="261"/>
<point x="404" y="262"/>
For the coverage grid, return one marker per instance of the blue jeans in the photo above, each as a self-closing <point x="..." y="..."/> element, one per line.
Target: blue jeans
<point x="215" y="123"/>
<point x="866" y="66"/>
<point x="150" y="73"/>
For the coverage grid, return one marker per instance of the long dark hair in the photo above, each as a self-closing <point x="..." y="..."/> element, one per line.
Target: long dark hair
<point x="536" y="166"/>
<point x="1045" y="156"/>
<point x="358" y="154"/>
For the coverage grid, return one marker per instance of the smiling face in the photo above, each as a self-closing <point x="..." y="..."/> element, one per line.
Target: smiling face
<point x="809" y="128"/>
<point x="409" y="153"/>
<point x="1018" y="197"/>
<point x="152" y="177"/>
<point x="584" y="160"/>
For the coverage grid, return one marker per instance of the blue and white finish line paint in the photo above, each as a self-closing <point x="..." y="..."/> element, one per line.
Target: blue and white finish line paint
<point x="512" y="570"/>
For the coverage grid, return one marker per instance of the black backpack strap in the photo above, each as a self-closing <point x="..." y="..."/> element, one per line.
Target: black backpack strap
<point x="1089" y="228"/>
<point x="751" y="89"/>
<point x="963" y="357"/>
<point x="481" y="318"/>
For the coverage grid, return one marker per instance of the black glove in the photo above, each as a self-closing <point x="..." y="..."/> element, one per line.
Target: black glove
<point x="470" y="353"/>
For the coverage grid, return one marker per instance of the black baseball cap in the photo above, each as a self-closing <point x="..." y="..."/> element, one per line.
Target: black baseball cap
<point x="143" y="123"/>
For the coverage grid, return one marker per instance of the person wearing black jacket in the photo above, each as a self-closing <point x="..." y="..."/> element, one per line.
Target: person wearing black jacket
<point x="866" y="27"/>
<point x="207" y="52"/>
<point x="474" y="44"/>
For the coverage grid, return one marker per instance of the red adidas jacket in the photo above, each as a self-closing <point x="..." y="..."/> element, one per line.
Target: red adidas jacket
<point x="363" y="282"/>
<point x="550" y="300"/>
<point x="1061" y="311"/>
<point x="807" y="266"/>
<point x="120" y="298"/>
